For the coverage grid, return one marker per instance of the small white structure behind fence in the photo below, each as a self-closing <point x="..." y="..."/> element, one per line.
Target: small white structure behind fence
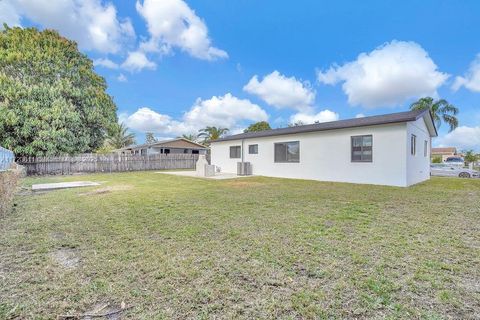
<point x="91" y="163"/>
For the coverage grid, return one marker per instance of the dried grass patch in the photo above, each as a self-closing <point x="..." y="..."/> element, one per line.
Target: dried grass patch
<point x="109" y="189"/>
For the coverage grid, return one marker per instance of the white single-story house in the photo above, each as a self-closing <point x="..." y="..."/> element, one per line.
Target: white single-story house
<point x="392" y="149"/>
<point x="173" y="146"/>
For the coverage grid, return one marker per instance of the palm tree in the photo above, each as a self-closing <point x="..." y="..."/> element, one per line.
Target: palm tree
<point x="119" y="137"/>
<point x="211" y="133"/>
<point x="442" y="111"/>
<point x="191" y="136"/>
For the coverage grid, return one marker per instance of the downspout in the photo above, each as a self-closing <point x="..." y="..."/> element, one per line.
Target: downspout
<point x="242" y="149"/>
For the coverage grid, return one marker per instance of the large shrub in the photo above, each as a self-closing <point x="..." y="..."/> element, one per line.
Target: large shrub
<point x="51" y="100"/>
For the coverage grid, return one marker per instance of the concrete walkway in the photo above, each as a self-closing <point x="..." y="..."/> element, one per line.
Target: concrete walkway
<point x="63" y="185"/>
<point x="218" y="176"/>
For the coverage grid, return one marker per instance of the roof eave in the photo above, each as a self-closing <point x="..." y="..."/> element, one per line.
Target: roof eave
<point x="308" y="131"/>
<point x="328" y="126"/>
<point x="434" y="132"/>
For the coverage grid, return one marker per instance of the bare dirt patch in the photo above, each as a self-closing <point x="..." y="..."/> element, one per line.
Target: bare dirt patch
<point x="123" y="187"/>
<point x="66" y="257"/>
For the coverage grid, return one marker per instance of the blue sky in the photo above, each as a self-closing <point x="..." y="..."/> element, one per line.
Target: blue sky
<point x="175" y="66"/>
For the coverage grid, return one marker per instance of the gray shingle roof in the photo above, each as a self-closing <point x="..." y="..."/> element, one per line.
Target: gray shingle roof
<point x="341" y="124"/>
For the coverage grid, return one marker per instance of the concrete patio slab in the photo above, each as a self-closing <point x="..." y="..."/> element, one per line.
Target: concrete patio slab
<point x="193" y="174"/>
<point x="63" y="185"/>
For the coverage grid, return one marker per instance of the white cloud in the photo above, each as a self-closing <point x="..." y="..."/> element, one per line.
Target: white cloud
<point x="462" y="137"/>
<point x="360" y="115"/>
<point x="388" y="76"/>
<point x="8" y="14"/>
<point x="173" y="24"/>
<point x="471" y="80"/>
<point x="96" y="26"/>
<point x="122" y="78"/>
<point x="137" y="61"/>
<point x="307" y="118"/>
<point x="223" y="111"/>
<point x="106" y="63"/>
<point x="282" y="92"/>
<point x="92" y="23"/>
<point x="147" y="120"/>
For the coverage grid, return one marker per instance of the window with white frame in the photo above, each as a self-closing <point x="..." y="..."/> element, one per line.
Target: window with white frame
<point x="253" y="149"/>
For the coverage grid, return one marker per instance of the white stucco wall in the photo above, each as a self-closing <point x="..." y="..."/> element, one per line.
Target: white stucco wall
<point x="418" y="165"/>
<point x="326" y="156"/>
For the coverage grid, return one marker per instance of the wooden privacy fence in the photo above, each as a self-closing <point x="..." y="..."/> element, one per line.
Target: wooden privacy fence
<point x="106" y="163"/>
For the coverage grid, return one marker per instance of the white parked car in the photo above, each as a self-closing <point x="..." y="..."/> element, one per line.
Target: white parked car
<point x="449" y="170"/>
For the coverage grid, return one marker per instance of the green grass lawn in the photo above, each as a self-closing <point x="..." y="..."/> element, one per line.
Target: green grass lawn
<point x="179" y="247"/>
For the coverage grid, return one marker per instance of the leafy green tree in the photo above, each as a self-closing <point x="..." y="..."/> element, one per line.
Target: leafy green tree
<point x="441" y="110"/>
<point x="471" y="157"/>
<point x="190" y="136"/>
<point x="51" y="100"/>
<point x="105" y="149"/>
<point x="211" y="133"/>
<point x="258" y="126"/>
<point x="150" y="138"/>
<point x="119" y="137"/>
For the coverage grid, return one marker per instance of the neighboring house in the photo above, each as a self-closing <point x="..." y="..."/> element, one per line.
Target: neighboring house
<point x="174" y="146"/>
<point x="392" y="149"/>
<point x="444" y="153"/>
